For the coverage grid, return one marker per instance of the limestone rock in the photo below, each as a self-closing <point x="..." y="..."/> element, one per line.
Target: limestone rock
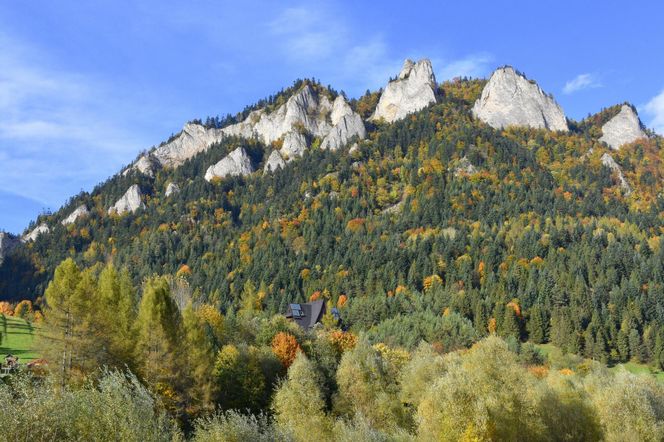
<point x="34" y="234"/>
<point x="350" y="125"/>
<point x="294" y="145"/>
<point x="233" y="164"/>
<point x="274" y="162"/>
<point x="622" y="129"/>
<point x="193" y="139"/>
<point x="80" y="211"/>
<point x="464" y="167"/>
<point x="608" y="161"/>
<point x="7" y="244"/>
<point x="306" y="112"/>
<point x="510" y="99"/>
<point x="172" y="189"/>
<point x="129" y="202"/>
<point x="394" y="208"/>
<point x="340" y="108"/>
<point x="412" y="91"/>
<point x="354" y="148"/>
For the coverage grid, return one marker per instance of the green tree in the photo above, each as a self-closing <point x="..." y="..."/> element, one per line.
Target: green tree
<point x="298" y="403"/>
<point x="161" y="359"/>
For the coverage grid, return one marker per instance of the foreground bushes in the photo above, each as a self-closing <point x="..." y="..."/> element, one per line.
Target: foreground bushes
<point x="118" y="407"/>
<point x="382" y="394"/>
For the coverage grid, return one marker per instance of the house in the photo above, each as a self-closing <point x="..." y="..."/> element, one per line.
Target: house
<point x="307" y="315"/>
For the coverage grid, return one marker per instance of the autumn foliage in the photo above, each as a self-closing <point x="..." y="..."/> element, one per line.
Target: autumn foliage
<point x="285" y="348"/>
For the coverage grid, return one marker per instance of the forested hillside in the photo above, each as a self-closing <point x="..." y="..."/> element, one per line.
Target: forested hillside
<point x="452" y="248"/>
<point x="522" y="231"/>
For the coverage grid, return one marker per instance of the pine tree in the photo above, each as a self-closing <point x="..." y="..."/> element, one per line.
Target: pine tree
<point x="160" y="358"/>
<point x="537" y="330"/>
<point x="510" y="324"/>
<point x="200" y="358"/>
<point x="116" y="309"/>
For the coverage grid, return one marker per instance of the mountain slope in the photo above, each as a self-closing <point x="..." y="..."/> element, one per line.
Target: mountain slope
<point x="537" y="238"/>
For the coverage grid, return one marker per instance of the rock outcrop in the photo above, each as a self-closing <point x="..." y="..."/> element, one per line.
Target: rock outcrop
<point x="274" y="162"/>
<point x="131" y="201"/>
<point x="34" y="234"/>
<point x="306" y="112"/>
<point x="79" y="212"/>
<point x="234" y="164"/>
<point x="464" y="167"/>
<point x="171" y="189"/>
<point x="349" y="126"/>
<point x="608" y="161"/>
<point x="622" y="129"/>
<point x="294" y="145"/>
<point x="510" y="99"/>
<point x="7" y="244"/>
<point x="193" y="139"/>
<point x="412" y="91"/>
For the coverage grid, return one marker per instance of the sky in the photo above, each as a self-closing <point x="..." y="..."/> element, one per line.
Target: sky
<point x="85" y="86"/>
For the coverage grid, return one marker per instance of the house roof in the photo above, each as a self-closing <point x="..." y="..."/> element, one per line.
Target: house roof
<point x="308" y="314"/>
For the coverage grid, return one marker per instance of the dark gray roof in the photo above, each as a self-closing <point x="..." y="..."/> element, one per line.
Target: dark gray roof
<point x="308" y="314"/>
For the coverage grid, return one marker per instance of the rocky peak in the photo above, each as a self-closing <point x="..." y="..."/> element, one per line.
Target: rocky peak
<point x="510" y="99"/>
<point x="7" y="244"/>
<point x="622" y="129"/>
<point x="340" y="108"/>
<point x="79" y="212"/>
<point x="131" y="201"/>
<point x="233" y="164"/>
<point x="608" y="161"/>
<point x="349" y="126"/>
<point x="34" y="234"/>
<point x="294" y="145"/>
<point x="307" y="111"/>
<point x="274" y="162"/>
<point x="412" y="91"/>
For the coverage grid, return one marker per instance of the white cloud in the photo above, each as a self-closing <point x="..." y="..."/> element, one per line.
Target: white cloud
<point x="580" y="82"/>
<point x="655" y="109"/>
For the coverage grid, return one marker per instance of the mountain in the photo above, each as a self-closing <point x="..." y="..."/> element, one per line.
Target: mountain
<point x="624" y="128"/>
<point x="413" y="90"/>
<point x="510" y="99"/>
<point x="471" y="196"/>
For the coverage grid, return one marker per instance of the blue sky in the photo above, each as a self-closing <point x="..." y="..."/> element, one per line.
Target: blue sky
<point x="85" y="86"/>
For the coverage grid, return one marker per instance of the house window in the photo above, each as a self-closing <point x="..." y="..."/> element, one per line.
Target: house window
<point x="296" y="311"/>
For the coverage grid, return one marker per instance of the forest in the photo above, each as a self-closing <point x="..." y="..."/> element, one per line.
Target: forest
<point x="452" y="250"/>
<point x="162" y="368"/>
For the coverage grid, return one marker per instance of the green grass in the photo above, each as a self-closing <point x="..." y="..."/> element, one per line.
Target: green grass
<point x="19" y="340"/>
<point x="632" y="367"/>
<point x="636" y="368"/>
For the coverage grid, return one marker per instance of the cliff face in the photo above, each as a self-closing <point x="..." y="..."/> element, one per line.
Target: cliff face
<point x="510" y="99"/>
<point x="622" y="129"/>
<point x="608" y="161"/>
<point x="306" y="112"/>
<point x="131" y="201"/>
<point x="39" y="230"/>
<point x="274" y="162"/>
<point x="79" y="212"/>
<point x="412" y="91"/>
<point x="233" y="164"/>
